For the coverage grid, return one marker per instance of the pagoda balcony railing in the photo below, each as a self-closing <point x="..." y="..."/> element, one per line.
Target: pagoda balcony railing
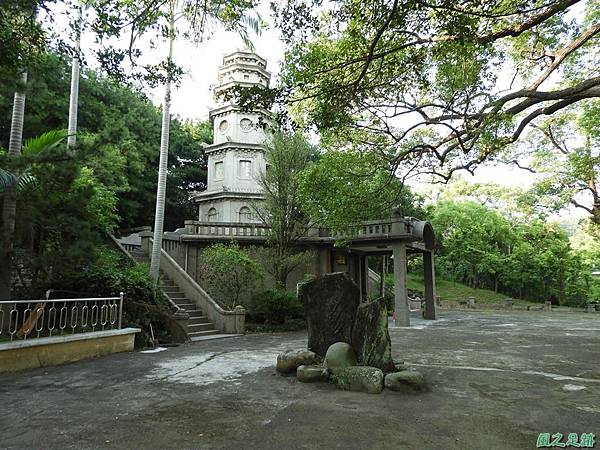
<point x="233" y="229"/>
<point x="368" y="229"/>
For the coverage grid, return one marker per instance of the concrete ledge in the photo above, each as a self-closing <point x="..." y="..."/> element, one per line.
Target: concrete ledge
<point x="52" y="351"/>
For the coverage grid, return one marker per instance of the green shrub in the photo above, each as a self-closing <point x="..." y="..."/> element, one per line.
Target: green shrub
<point x="274" y="306"/>
<point x="229" y="275"/>
<point x="106" y="274"/>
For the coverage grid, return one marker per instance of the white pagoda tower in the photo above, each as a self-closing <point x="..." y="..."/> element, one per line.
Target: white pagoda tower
<point x="237" y="155"/>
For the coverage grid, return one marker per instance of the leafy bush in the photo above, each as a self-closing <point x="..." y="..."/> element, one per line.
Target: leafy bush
<point x="229" y="274"/>
<point x="275" y="306"/>
<point x="106" y="274"/>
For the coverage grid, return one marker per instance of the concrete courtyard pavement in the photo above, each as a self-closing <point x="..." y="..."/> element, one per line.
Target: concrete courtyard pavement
<point x="496" y="380"/>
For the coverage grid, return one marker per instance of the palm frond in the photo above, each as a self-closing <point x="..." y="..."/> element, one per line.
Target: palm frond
<point x="26" y="181"/>
<point x="7" y="179"/>
<point x="252" y="23"/>
<point x="44" y="142"/>
<point x="21" y="182"/>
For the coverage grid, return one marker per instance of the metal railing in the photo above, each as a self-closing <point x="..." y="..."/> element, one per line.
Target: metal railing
<point x="30" y="319"/>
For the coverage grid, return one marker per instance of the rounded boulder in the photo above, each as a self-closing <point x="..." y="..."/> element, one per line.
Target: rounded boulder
<point x="339" y="356"/>
<point x="407" y="380"/>
<point x="361" y="379"/>
<point x="289" y="361"/>
<point x="309" y="374"/>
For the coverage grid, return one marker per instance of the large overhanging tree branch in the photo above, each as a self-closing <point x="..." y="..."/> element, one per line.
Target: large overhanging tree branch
<point x="436" y="86"/>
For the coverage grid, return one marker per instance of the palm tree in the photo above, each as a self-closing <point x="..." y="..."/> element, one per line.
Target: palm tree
<point x="244" y="21"/>
<point x="9" y="205"/>
<point x="74" y="97"/>
<point x="159" y="214"/>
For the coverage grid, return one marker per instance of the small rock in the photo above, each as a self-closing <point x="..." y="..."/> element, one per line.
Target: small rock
<point x="339" y="356"/>
<point x="399" y="366"/>
<point x="360" y="379"/>
<point x="405" y="381"/>
<point x="308" y="374"/>
<point x="289" y="361"/>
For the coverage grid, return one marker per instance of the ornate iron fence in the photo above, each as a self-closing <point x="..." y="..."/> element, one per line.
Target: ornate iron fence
<point x="29" y="319"/>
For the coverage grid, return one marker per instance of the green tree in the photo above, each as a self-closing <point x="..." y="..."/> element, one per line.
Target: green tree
<point x="474" y="243"/>
<point x="229" y="274"/>
<point x="564" y="153"/>
<point x="421" y="79"/>
<point x="286" y="157"/>
<point x="342" y="189"/>
<point x="63" y="212"/>
<point x="119" y="128"/>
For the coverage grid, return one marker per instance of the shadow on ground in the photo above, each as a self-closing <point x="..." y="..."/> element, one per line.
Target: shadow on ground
<point x="496" y="380"/>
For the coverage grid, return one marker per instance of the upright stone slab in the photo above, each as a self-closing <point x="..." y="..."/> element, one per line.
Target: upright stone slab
<point x="370" y="336"/>
<point x="330" y="303"/>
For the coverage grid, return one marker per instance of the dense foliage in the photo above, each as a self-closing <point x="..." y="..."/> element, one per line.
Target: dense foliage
<point x="435" y="85"/>
<point x="106" y="273"/>
<point x="120" y="131"/>
<point x="525" y="258"/>
<point x="274" y="307"/>
<point x="342" y="189"/>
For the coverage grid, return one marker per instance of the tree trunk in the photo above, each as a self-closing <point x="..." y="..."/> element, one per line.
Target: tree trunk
<point x="159" y="214"/>
<point x="9" y="206"/>
<point x="74" y="97"/>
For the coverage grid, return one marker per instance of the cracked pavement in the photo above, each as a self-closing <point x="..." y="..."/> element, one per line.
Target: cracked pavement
<point x="496" y="380"/>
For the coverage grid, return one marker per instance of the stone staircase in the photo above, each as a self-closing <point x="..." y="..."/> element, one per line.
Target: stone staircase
<point x="198" y="324"/>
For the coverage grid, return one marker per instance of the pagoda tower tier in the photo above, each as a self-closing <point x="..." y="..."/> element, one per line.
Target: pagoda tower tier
<point x="237" y="156"/>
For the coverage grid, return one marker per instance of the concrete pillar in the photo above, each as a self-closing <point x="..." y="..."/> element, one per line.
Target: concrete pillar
<point x="363" y="268"/>
<point x="400" y="291"/>
<point x="430" y="294"/>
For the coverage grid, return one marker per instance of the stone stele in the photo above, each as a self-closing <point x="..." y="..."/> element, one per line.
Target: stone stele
<point x="330" y="303"/>
<point x="370" y="336"/>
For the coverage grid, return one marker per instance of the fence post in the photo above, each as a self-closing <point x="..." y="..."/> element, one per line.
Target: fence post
<point x="120" y="308"/>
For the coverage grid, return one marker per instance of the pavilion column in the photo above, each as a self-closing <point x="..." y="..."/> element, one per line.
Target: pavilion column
<point x="400" y="291"/>
<point x="429" y="272"/>
<point x="364" y="269"/>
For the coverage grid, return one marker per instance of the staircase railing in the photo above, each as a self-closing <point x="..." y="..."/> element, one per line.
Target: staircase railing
<point x="127" y="249"/>
<point x="231" y="322"/>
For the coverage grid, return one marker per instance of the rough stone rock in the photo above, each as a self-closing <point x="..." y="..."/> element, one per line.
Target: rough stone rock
<point x="308" y="374"/>
<point x="289" y="361"/>
<point x="370" y="336"/>
<point x="330" y="303"/>
<point x="407" y="380"/>
<point x="360" y="379"/>
<point x="339" y="356"/>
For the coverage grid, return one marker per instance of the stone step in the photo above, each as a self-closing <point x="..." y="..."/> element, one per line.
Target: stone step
<point x="203" y="333"/>
<point x="169" y="289"/>
<point x="198" y="320"/>
<point x="175" y="295"/>
<point x="186" y="305"/>
<point x="195" y="313"/>
<point x="199" y="327"/>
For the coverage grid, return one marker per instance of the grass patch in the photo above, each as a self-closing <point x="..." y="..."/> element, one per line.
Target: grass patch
<point x="453" y="292"/>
